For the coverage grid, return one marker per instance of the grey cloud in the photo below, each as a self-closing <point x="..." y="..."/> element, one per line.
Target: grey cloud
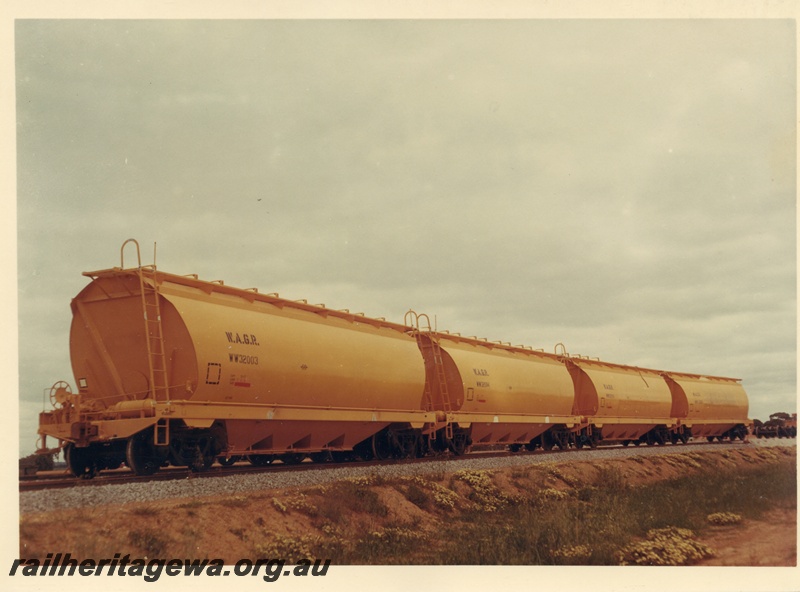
<point x="627" y="187"/>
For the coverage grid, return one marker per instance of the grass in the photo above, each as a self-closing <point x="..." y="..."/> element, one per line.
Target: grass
<point x="351" y="496"/>
<point x="150" y="541"/>
<point x="606" y="522"/>
<point x="591" y="525"/>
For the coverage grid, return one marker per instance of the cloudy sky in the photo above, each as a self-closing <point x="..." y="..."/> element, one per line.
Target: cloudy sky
<point x="624" y="187"/>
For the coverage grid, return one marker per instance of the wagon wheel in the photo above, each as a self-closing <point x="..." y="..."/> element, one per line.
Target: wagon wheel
<point x="60" y="393"/>
<point x="322" y="456"/>
<point x="141" y="454"/>
<point x="460" y="443"/>
<point x="293" y="458"/>
<point x="260" y="460"/>
<point x="340" y="456"/>
<point x="382" y="447"/>
<point x="80" y="461"/>
<point x="408" y="445"/>
<point x="203" y="456"/>
<point x="423" y="446"/>
<point x="363" y="450"/>
<point x="226" y="462"/>
<point x="561" y="439"/>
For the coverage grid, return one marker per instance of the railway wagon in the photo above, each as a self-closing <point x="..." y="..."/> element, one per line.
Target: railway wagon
<point x="780" y="425"/>
<point x="709" y="406"/>
<point x="171" y="368"/>
<point x="498" y="393"/>
<point x="623" y="403"/>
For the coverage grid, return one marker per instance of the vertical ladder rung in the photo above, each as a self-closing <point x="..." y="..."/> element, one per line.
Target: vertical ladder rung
<point x="156" y="357"/>
<point x="430" y="347"/>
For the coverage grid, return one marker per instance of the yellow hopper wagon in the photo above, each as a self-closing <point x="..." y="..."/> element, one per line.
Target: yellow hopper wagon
<point x="171" y="369"/>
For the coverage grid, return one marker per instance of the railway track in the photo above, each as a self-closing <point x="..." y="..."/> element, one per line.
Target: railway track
<point x="52" y="480"/>
<point x="61" y="480"/>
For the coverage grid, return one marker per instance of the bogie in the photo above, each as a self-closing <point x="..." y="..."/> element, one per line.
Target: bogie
<point x="142" y="456"/>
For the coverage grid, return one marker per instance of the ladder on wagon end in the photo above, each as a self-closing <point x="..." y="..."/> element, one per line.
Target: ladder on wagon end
<point x="431" y="349"/>
<point x="154" y="338"/>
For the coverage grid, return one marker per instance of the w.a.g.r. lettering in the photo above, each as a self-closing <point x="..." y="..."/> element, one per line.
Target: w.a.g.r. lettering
<point x="241" y="338"/>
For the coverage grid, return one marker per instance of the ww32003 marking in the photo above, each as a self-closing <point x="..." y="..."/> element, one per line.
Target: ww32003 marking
<point x="242" y="359"/>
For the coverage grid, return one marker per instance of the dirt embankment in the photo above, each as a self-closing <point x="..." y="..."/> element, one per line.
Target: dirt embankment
<point x="768" y="541"/>
<point x="290" y="523"/>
